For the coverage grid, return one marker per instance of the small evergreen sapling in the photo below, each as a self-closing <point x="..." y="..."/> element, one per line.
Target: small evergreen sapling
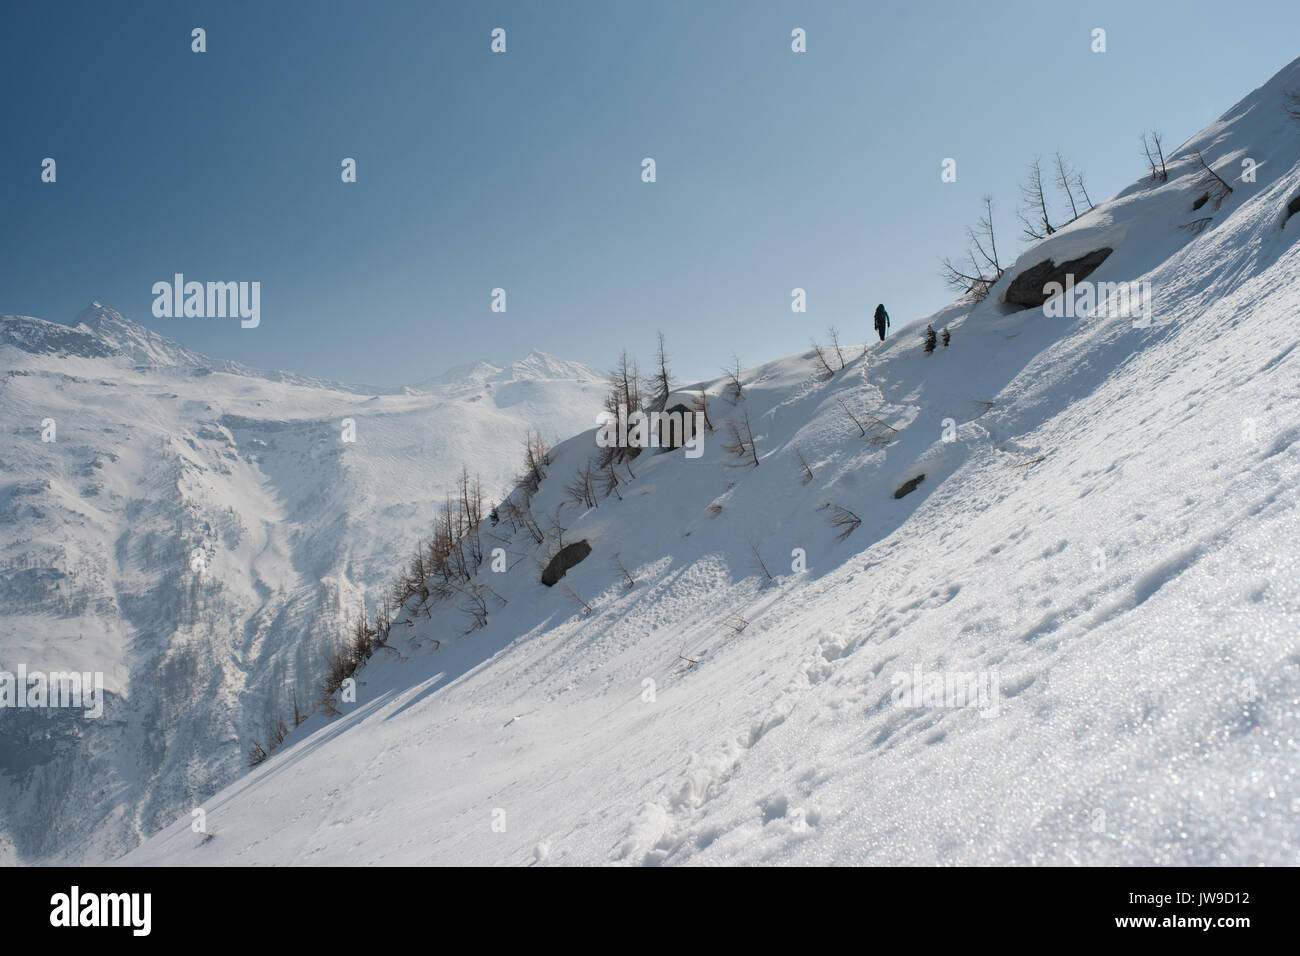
<point x="946" y="337"/>
<point x="930" y="339"/>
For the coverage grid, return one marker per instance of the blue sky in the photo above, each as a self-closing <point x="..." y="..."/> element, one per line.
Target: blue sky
<point x="522" y="170"/>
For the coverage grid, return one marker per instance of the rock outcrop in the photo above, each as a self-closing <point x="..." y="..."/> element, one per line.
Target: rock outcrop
<point x="1027" y="289"/>
<point x="907" y="487"/>
<point x="567" y="557"/>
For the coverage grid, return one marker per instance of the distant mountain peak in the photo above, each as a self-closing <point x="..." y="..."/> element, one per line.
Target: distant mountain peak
<point x="536" y="366"/>
<point x="542" y="365"/>
<point x="141" y="345"/>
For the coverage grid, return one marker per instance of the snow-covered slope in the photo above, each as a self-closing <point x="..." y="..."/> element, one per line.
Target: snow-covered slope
<point x="1109" y="540"/>
<point x="161" y="453"/>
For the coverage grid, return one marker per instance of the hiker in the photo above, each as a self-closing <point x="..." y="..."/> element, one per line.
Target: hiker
<point x="882" y="320"/>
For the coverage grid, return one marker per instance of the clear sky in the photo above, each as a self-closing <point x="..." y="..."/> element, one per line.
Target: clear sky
<point x="523" y="171"/>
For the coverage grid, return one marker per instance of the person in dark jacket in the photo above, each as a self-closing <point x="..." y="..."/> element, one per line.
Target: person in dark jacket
<point x="882" y="321"/>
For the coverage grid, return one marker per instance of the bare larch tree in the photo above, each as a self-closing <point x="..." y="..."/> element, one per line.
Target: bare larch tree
<point x="1063" y="183"/>
<point x="1155" y="154"/>
<point x="1034" y="217"/>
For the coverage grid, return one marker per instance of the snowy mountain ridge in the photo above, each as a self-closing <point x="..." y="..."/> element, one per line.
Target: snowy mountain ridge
<point x="100" y="332"/>
<point x="740" y="669"/>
